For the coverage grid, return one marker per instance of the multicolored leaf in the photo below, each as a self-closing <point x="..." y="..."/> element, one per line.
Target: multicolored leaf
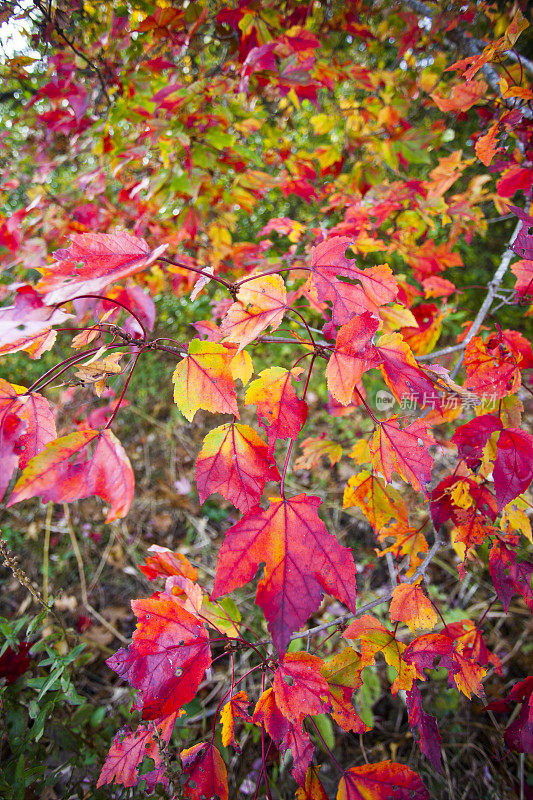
<point x="378" y="503"/>
<point x="384" y="780"/>
<point x="52" y="476"/>
<point x="279" y="410"/>
<point x="235" y="462"/>
<point x="302" y="560"/>
<point x="203" y="379"/>
<point x="235" y="708"/>
<point x="403" y="450"/>
<point x="168" y="656"/>
<point x="260" y="303"/>
<point x="426" y="651"/>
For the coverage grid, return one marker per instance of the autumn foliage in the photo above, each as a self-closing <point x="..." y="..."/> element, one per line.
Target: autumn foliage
<point x="159" y="158"/>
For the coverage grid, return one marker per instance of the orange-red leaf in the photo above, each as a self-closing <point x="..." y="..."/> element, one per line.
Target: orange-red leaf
<point x="53" y="477"/>
<point x="235" y="462"/>
<point x="487" y="145"/>
<point x="206" y="774"/>
<point x="352" y="357"/>
<point x="409" y="604"/>
<point x="93" y="261"/>
<point x="27" y="425"/>
<point x="463" y="96"/>
<point x="203" y="379"/>
<point x="260" y="303"/>
<point x="384" y="780"/>
<point x="165" y="563"/>
<point x="300" y="687"/>
<point x="168" y="656"/>
<point x="302" y="560"/>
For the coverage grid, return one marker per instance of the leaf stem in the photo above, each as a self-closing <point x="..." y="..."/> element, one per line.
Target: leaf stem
<point x="106" y="300"/>
<point x="328" y="751"/>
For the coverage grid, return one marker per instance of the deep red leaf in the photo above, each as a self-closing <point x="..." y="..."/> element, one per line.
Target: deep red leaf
<point x="513" y="468"/>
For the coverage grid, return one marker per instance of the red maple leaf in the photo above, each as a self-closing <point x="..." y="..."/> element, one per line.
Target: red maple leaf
<point x="130" y="748"/>
<point x="92" y="262"/>
<point x="168" y="656"/>
<point x="205" y="771"/>
<point x="302" y="560"/>
<point x="235" y="462"/>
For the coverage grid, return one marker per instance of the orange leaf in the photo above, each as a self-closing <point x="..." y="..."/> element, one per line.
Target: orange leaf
<point x="409" y="604"/>
<point x="165" y="563"/>
<point x="463" y="671"/>
<point x="487" y="145"/>
<point x="314" y="449"/>
<point x="463" y="96"/>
